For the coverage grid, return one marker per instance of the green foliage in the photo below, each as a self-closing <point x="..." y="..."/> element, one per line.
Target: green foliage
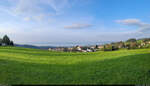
<point x="109" y="47"/>
<point x="11" y="43"/>
<point x="129" y="44"/>
<point x="133" y="45"/>
<point x="85" y="47"/>
<point x="74" y="49"/>
<point x="6" y="40"/>
<point x="131" y="40"/>
<point x="0" y="41"/>
<point x="96" y="46"/>
<point x="145" y="39"/>
<point x="31" y="66"/>
<point x="66" y="49"/>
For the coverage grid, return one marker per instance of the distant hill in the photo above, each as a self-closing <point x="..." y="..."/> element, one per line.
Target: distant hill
<point x="34" y="47"/>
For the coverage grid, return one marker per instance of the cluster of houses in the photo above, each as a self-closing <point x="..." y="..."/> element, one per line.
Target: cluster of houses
<point x="130" y="44"/>
<point x="77" y="48"/>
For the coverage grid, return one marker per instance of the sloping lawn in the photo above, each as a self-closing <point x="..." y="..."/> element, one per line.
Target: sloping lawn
<point x="33" y="66"/>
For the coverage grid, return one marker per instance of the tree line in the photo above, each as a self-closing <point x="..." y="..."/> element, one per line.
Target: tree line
<point x="5" y="41"/>
<point x="129" y="44"/>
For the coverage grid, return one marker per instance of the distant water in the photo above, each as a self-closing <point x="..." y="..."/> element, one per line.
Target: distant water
<point x="69" y="44"/>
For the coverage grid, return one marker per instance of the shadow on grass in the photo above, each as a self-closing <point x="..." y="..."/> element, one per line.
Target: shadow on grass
<point x="131" y="69"/>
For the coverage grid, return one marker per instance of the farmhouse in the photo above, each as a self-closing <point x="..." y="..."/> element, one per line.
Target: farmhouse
<point x="78" y="48"/>
<point x="143" y="44"/>
<point x="50" y="49"/>
<point x="148" y="42"/>
<point x="100" y="46"/>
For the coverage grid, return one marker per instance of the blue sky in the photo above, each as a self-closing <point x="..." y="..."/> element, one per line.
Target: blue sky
<point x="41" y="21"/>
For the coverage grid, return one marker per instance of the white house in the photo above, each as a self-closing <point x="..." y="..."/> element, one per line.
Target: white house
<point x="79" y="48"/>
<point x="3" y="44"/>
<point x="89" y="50"/>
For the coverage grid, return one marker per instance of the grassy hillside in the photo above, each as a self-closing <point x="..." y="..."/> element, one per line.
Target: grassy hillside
<point x="31" y="66"/>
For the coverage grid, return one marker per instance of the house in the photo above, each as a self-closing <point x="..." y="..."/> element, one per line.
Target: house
<point x="83" y="50"/>
<point x="78" y="48"/>
<point x="92" y="47"/>
<point x="143" y="44"/>
<point x="100" y="46"/>
<point x="3" y="44"/>
<point x="56" y="49"/>
<point x="89" y="50"/>
<point x="50" y="49"/>
<point x="70" y="49"/>
<point x="148" y="42"/>
<point x="59" y="49"/>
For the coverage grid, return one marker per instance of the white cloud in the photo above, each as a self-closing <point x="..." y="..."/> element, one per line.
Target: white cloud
<point x="35" y="9"/>
<point x="78" y="26"/>
<point x="143" y="28"/>
<point x="134" y="22"/>
<point x="27" y="19"/>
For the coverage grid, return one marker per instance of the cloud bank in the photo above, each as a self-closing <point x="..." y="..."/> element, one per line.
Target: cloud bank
<point x="78" y="26"/>
<point x="143" y="28"/>
<point x="34" y="9"/>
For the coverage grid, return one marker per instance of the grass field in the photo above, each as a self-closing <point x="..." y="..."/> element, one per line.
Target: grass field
<point x="31" y="66"/>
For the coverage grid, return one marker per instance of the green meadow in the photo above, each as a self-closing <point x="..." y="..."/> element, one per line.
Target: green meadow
<point x="33" y="66"/>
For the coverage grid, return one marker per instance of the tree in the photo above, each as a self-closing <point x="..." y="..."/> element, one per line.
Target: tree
<point x="114" y="48"/>
<point x="131" y="40"/>
<point x="0" y="42"/>
<point x="85" y="48"/>
<point x="108" y="47"/>
<point x="96" y="46"/>
<point x="132" y="45"/>
<point x="74" y="49"/>
<point x="6" y="40"/>
<point x="66" y="49"/>
<point x="11" y="43"/>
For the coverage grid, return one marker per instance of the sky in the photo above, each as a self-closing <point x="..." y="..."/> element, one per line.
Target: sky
<point x="51" y="21"/>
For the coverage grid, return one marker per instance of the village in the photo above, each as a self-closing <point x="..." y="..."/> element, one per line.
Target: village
<point x="129" y="44"/>
<point x="77" y="49"/>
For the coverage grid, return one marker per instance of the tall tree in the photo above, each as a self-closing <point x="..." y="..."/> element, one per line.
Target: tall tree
<point x="96" y="46"/>
<point x="0" y="41"/>
<point x="11" y="43"/>
<point x="6" y="40"/>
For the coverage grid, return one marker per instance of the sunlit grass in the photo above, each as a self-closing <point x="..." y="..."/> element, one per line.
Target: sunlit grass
<point x="33" y="66"/>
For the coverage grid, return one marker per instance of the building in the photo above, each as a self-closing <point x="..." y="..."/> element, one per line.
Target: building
<point x="50" y="49"/>
<point x="148" y="42"/>
<point x="84" y="51"/>
<point x="143" y="44"/>
<point x="100" y="46"/>
<point x="89" y="50"/>
<point x="70" y="49"/>
<point x="3" y="44"/>
<point x="78" y="48"/>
